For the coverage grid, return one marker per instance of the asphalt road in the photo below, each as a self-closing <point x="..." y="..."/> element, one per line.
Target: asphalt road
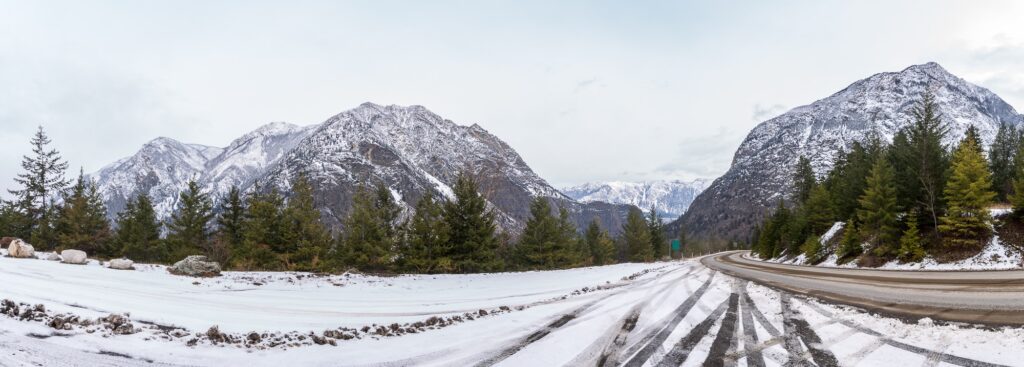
<point x="985" y="297"/>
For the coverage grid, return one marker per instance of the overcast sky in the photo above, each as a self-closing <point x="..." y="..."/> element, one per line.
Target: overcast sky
<point x="584" y="91"/>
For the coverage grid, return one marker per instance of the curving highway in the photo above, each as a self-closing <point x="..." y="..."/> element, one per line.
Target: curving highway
<point x="986" y="297"/>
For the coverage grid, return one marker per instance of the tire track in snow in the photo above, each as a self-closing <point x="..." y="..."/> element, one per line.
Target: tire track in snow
<point x="943" y="357"/>
<point x="726" y="335"/>
<point x="650" y="343"/>
<point x="681" y="350"/>
<point x="754" y="357"/>
<point x="566" y="318"/>
<point x="797" y="327"/>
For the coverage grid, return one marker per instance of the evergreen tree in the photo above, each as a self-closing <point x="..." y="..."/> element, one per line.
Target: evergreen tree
<point x="189" y="230"/>
<point x="877" y="212"/>
<point x="1002" y="155"/>
<point x="1017" y="195"/>
<point x="850" y="245"/>
<point x="659" y="242"/>
<point x="911" y="248"/>
<point x="811" y="249"/>
<point x="231" y="219"/>
<point x="776" y="236"/>
<point x="817" y="211"/>
<point x="471" y="228"/>
<point x="13" y="222"/>
<point x="637" y="237"/>
<point x="305" y="237"/>
<point x="366" y="242"/>
<point x="82" y="223"/>
<point x="426" y="248"/>
<point x="262" y="232"/>
<point x="929" y="160"/>
<point x="968" y="194"/>
<point x="847" y="181"/>
<point x="42" y="181"/>
<point x="601" y="246"/>
<point x="138" y="232"/>
<point x="803" y="180"/>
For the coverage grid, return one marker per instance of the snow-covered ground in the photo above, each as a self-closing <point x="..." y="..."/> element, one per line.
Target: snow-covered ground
<point x="675" y="313"/>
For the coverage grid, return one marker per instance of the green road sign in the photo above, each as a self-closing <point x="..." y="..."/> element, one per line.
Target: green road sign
<point x="675" y="245"/>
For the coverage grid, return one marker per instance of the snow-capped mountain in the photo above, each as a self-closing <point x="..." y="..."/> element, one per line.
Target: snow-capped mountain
<point x="880" y="104"/>
<point x="409" y="149"/>
<point x="669" y="198"/>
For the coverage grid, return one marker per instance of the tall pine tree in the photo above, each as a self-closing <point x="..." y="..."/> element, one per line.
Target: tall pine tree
<point x="928" y="160"/>
<point x="188" y="232"/>
<point x="601" y="246"/>
<point x="968" y="194"/>
<point x="367" y="243"/>
<point x="877" y="212"/>
<point x="306" y="237"/>
<point x="138" y="232"/>
<point x="426" y="248"/>
<point x="1002" y="155"/>
<point x="41" y="182"/>
<point x="82" y="223"/>
<point x="471" y="228"/>
<point x="659" y="242"/>
<point x="636" y="237"/>
<point x="803" y="180"/>
<point x="231" y="218"/>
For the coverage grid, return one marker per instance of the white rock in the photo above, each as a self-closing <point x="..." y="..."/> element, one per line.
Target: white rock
<point x="77" y="257"/>
<point x="19" y="248"/>
<point x="121" y="264"/>
<point x="196" y="266"/>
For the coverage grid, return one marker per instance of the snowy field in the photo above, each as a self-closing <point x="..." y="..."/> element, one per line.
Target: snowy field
<point x="677" y="313"/>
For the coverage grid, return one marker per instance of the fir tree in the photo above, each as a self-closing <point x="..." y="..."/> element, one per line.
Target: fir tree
<point x="138" y="232"/>
<point x="262" y="229"/>
<point x="928" y="161"/>
<point x="42" y="181"/>
<point x="1017" y="195"/>
<point x="850" y="244"/>
<point x="82" y="223"/>
<point x="811" y="249"/>
<point x="968" y="194"/>
<point x="14" y="222"/>
<point x="365" y="243"/>
<point x="231" y="219"/>
<point x="540" y="237"/>
<point x="636" y="237"/>
<point x="803" y="180"/>
<point x="471" y="228"/>
<point x="1002" y="155"/>
<point x="601" y="246"/>
<point x="188" y="233"/>
<point x="659" y="243"/>
<point x="877" y="212"/>
<point x="817" y="210"/>
<point x="426" y="248"/>
<point x="911" y="249"/>
<point x="306" y="237"/>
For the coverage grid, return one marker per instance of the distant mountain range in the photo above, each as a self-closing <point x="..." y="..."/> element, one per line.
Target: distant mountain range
<point x="763" y="165"/>
<point x="669" y="198"/>
<point x="409" y="149"/>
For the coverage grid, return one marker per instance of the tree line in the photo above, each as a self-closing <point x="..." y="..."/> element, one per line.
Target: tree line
<point x="264" y="229"/>
<point x="903" y="200"/>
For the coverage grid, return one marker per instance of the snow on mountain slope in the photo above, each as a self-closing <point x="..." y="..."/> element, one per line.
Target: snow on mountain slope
<point x="413" y="150"/>
<point x="161" y="169"/>
<point x="669" y="198"/>
<point x="880" y="104"/>
<point x="409" y="149"/>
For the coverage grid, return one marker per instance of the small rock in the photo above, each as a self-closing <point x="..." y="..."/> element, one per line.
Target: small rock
<point x="927" y="321"/>
<point x="121" y="264"/>
<point x="196" y="266"/>
<point x="77" y="257"/>
<point x="20" y="249"/>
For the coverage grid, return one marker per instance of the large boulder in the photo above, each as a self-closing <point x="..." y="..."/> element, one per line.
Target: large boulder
<point x="77" y="257"/>
<point x="195" y="266"/>
<point x="121" y="264"/>
<point x="18" y="248"/>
